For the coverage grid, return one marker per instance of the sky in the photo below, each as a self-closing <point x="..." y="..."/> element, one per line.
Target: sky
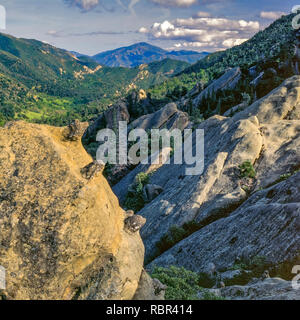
<point x="93" y="26"/>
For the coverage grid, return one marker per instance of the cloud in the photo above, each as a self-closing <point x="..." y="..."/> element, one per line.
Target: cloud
<point x="202" y="14"/>
<point x="131" y="5"/>
<point x="233" y="42"/>
<point x="210" y="33"/>
<point x="271" y="15"/>
<point x="62" y="34"/>
<point x="175" y="3"/>
<point x="83" y="4"/>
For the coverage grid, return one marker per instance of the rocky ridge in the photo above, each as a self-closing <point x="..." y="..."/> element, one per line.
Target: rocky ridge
<point x="220" y="204"/>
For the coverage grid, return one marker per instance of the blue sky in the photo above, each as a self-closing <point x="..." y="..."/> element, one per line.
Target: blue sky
<point x="92" y="26"/>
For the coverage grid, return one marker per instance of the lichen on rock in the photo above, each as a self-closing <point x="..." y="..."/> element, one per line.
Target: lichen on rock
<point x="61" y="236"/>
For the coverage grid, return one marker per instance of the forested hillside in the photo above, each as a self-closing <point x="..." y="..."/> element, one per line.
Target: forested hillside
<point x="41" y="83"/>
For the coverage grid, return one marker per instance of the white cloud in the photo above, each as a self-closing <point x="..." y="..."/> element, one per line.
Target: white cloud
<point x="175" y="3"/>
<point x="208" y="32"/>
<point x="233" y="42"/>
<point x="202" y="14"/>
<point x="83" y="4"/>
<point x="271" y="15"/>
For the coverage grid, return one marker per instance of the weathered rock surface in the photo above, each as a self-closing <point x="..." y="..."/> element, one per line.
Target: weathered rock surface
<point x="266" y="225"/>
<point x="266" y="134"/>
<point x="124" y="185"/>
<point x="151" y="191"/>
<point x="169" y="117"/>
<point x="109" y="119"/>
<point x="283" y="103"/>
<point x="61" y="236"/>
<point x="149" y="289"/>
<point x="269" y="289"/>
<point x="115" y="114"/>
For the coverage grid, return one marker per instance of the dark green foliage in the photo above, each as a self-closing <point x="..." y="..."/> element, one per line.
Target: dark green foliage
<point x="182" y="284"/>
<point x="247" y="170"/>
<point x="257" y="265"/>
<point x="134" y="198"/>
<point x="141" y="180"/>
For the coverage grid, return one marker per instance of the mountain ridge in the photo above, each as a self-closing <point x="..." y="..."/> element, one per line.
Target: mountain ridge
<point x="143" y="52"/>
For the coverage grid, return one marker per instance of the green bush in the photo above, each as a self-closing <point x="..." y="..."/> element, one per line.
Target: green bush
<point x="257" y="265"/>
<point x="247" y="170"/>
<point x="141" y="180"/>
<point x="182" y="284"/>
<point x="134" y="199"/>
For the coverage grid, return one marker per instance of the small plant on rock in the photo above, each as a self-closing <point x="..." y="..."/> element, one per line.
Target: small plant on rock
<point x="247" y="170"/>
<point x="134" y="198"/>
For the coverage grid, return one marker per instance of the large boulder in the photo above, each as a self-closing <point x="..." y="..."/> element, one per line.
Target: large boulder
<point x="168" y="117"/>
<point x="108" y="119"/>
<point x="62" y="232"/>
<point x="118" y="112"/>
<point x="283" y="103"/>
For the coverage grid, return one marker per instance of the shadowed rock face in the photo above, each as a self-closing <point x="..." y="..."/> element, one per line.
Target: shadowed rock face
<point x="266" y="225"/>
<point x="227" y="81"/>
<point x="268" y="289"/>
<point x="61" y="235"/>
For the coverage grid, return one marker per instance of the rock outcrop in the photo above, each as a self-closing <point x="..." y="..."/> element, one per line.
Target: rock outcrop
<point x="62" y="232"/>
<point x="227" y="81"/>
<point x="266" y="225"/>
<point x="266" y="134"/>
<point x="268" y="289"/>
<point x="108" y="119"/>
<point x="169" y="117"/>
<point x="149" y="289"/>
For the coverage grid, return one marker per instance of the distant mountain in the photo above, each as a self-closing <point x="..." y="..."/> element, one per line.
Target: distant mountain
<point x="142" y="53"/>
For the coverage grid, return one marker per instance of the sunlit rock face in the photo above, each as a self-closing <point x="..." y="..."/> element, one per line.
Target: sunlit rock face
<point x="62" y="234"/>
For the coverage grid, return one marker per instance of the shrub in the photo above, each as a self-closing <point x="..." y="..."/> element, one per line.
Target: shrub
<point x="141" y="180"/>
<point x="247" y="170"/>
<point x="257" y="265"/>
<point x="134" y="199"/>
<point x="182" y="284"/>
